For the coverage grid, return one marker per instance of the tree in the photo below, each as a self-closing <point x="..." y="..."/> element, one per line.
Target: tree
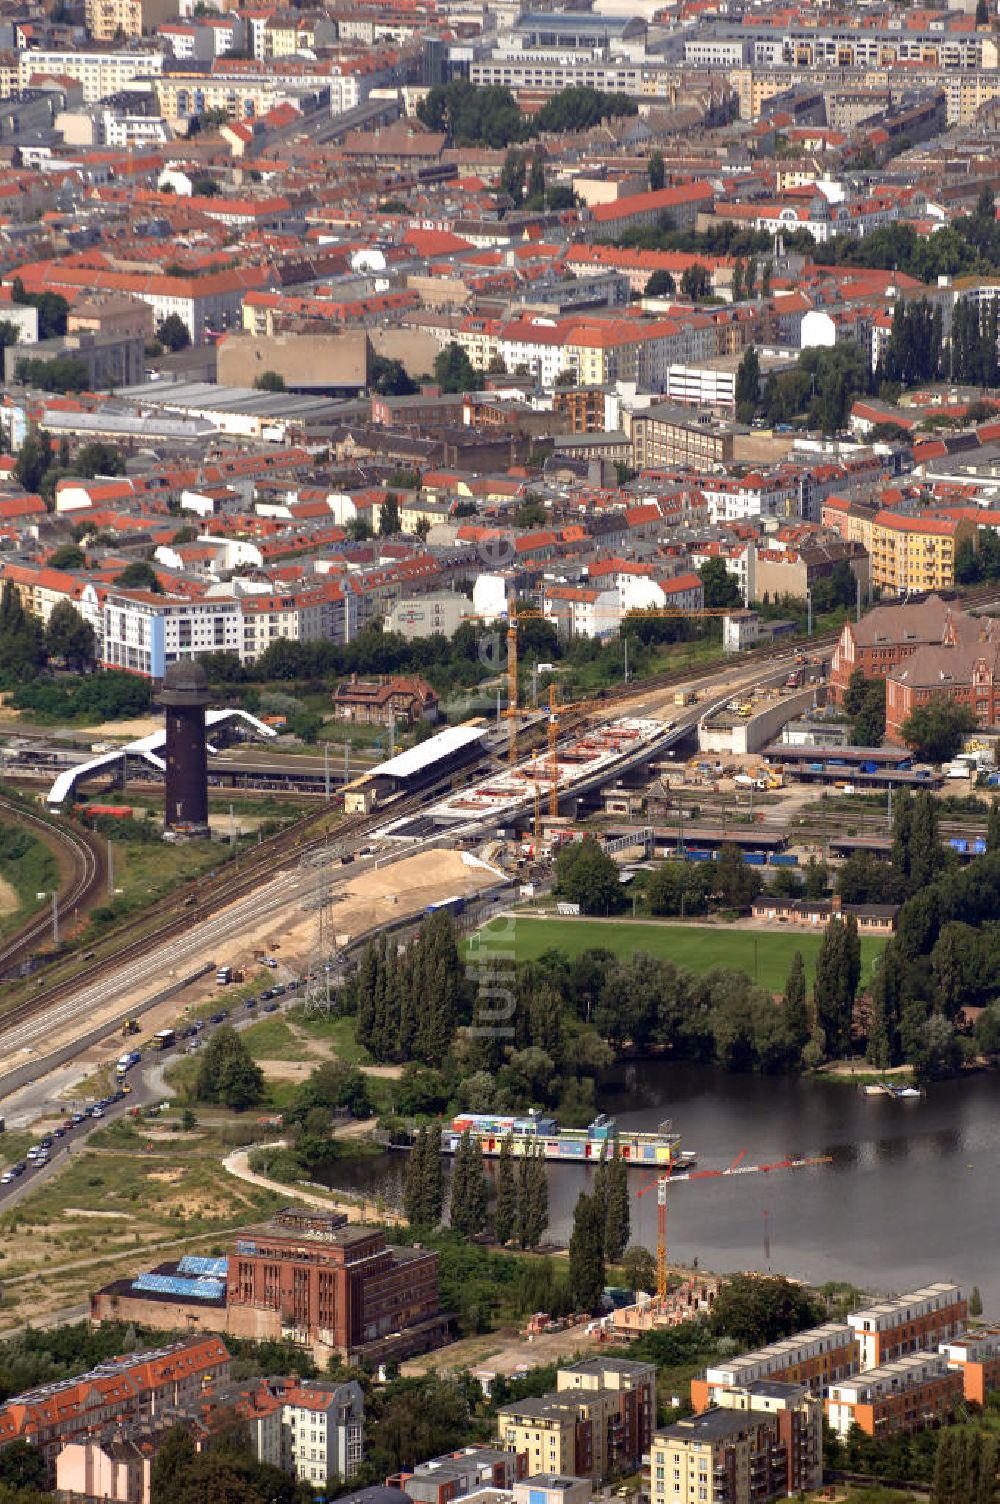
<point x="586" y="1254"/>
<point x="139" y="575"/>
<point x="33" y="459"/>
<point x="696" y="282"/>
<point x="617" y="1216"/>
<point x="227" y="1073"/>
<point x="975" y="1302"/>
<point x="748" y="384"/>
<point x="99" y="458"/>
<point x="532" y="1200"/>
<point x="794" y="1011"/>
<point x="173" y="333"/>
<point x="835" y="983"/>
<point x="721" y="588"/>
<point x="69" y="556"/>
<point x="935" y="728"/>
<point x="53" y="309"/>
<point x="388" y="523"/>
<point x="657" y="172"/>
<point x="468" y="1188"/>
<point x="660" y="285"/>
<point x="22" y="643"/>
<point x="505" y="1208"/>
<point x="454" y="371"/>
<point x="869" y="720"/>
<point x="757" y="1309"/>
<point x="22" y="1466"/>
<point x="639" y="1268"/>
<point x="172" y="1466"/>
<point x="512" y="177"/>
<point x="270" y="381"/>
<point x="390" y="378"/>
<point x="736" y="883"/>
<point x="70" y="638"/>
<point x="586" y="875"/>
<point x="423" y="1185"/>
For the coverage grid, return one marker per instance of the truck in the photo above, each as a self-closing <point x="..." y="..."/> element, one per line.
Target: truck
<point x="164" y="1038"/>
<point x="957" y="769"/>
<point x="126" y="1061"/>
<point x="684" y="697"/>
<point x="794" y="679"/>
<point x="224" y="976"/>
<point x="130" y="1026"/>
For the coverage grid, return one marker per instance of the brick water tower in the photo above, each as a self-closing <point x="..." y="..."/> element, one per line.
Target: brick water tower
<point x="184" y="696"/>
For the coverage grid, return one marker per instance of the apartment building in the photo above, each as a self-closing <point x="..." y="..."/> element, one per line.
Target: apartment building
<point x="582" y="611"/>
<point x="143" y="632"/>
<point x="964" y="666"/>
<point x="99" y="73"/>
<point x="908" y="1394"/>
<point x="799" y="1423"/>
<point x="752" y="497"/>
<point x="596" y="1423"/>
<point x="724" y="1456"/>
<point x="635" y="1385"/>
<point x="114" y="20"/>
<point x="322" y="1429"/>
<point x="139" y="1389"/>
<point x="923" y="1318"/>
<point x="665" y="435"/>
<point x="976" y="1356"/>
<point x="814" y="1359"/>
<point x="914" y="554"/>
<point x="441" y="1480"/>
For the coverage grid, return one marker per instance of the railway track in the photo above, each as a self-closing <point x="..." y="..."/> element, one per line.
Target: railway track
<point x="82" y="886"/>
<point x="173" y="915"/>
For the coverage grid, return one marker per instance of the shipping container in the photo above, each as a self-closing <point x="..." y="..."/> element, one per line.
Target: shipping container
<point x="783" y="859"/>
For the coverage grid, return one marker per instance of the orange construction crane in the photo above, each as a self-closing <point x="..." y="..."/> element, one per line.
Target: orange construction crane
<point x="736" y="1168"/>
<point x="553" y="752"/>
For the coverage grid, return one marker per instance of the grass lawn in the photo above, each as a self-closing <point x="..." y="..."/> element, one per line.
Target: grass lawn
<point x="338" y="1033"/>
<point x="272" y="1039"/>
<point x="765" y="955"/>
<point x="59" y="1242"/>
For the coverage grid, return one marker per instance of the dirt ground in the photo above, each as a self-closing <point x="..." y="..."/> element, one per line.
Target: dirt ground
<point x="504" y="1352"/>
<point x="380" y="897"/>
<point x="8" y="898"/>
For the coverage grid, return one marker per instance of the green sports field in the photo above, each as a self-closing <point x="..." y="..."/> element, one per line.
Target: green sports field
<point x="764" y="954"/>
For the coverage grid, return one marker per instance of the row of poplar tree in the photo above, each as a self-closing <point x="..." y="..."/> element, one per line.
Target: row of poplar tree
<point x="601" y="1221"/>
<point x="521" y="1202"/>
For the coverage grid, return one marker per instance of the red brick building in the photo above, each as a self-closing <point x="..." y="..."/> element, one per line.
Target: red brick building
<point x="886" y="637"/>
<point x="964" y="666"/>
<point x="338" y="1284"/>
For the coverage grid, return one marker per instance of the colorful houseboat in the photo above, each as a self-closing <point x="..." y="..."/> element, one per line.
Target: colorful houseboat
<point x="571" y="1145"/>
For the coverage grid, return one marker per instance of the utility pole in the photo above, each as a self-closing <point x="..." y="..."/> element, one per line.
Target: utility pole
<point x="55" y="916"/>
<point x="625" y="640"/>
<point x="347" y="763"/>
<point x="232" y="828"/>
<point x="857" y="583"/>
<point x="809" y="613"/>
<point x="392" y="733"/>
<point x="326" y="770"/>
<point x="111" y="869"/>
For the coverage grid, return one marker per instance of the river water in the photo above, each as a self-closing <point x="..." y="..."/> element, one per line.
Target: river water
<point x="912" y="1193"/>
